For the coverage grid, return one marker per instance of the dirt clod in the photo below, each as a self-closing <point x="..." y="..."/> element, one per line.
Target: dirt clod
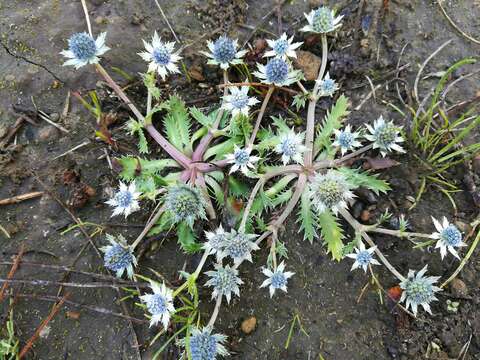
<point x="309" y="63"/>
<point x="248" y="325"/>
<point x="458" y="288"/>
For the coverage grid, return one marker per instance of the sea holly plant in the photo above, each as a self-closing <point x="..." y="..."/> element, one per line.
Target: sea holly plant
<point x="229" y="152"/>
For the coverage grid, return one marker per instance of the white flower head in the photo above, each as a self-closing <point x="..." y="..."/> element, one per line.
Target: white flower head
<point x="419" y="290"/>
<point x="125" y="201"/>
<point x="277" y="72"/>
<point x="238" y="102"/>
<point x="204" y="345"/>
<point x="223" y="52"/>
<point x="160" y="56"/>
<point x="239" y="246"/>
<point x="119" y="256"/>
<point x="224" y="281"/>
<point x="185" y="203"/>
<point x="363" y="257"/>
<point x="276" y="279"/>
<point x="283" y="47"/>
<point x="291" y="147"/>
<point x="449" y="237"/>
<point x="385" y="136"/>
<point x="346" y="140"/>
<point x="327" y="86"/>
<point x="83" y="49"/>
<point x="159" y="304"/>
<point x="322" y="21"/>
<point x="330" y="191"/>
<point x="216" y="241"/>
<point x="241" y="159"/>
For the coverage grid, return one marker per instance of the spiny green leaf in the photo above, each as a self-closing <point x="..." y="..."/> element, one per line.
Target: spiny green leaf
<point x="203" y="119"/>
<point x="359" y="178"/>
<point x="267" y="140"/>
<point x="220" y="150"/>
<point x="186" y="239"/>
<point x="215" y="187"/>
<point x="280" y="123"/>
<point x="165" y="223"/>
<point x="177" y="124"/>
<point x="142" y="142"/>
<point x="332" y="122"/>
<point x="237" y="188"/>
<point x="133" y="167"/>
<point x="332" y="234"/>
<point x="307" y="218"/>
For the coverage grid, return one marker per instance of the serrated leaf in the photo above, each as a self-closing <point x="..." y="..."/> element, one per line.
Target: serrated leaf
<point x="186" y="239"/>
<point x="299" y="101"/>
<point x="241" y="126"/>
<point x="203" y="119"/>
<point x="332" y="234"/>
<point x="165" y="223"/>
<point x="359" y="178"/>
<point x="216" y="188"/>
<point x="332" y="122"/>
<point x="267" y="140"/>
<point x="142" y="142"/>
<point x="177" y="124"/>
<point x="280" y="123"/>
<point x="237" y="188"/>
<point x="133" y="167"/>
<point x="220" y="150"/>
<point x="307" y="218"/>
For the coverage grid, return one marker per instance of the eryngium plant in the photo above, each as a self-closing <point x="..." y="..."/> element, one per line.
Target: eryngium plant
<point x="294" y="170"/>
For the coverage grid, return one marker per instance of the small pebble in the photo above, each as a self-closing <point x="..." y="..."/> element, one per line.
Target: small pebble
<point x="458" y="288"/>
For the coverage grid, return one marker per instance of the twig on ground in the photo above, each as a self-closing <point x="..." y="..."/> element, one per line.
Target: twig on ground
<point x="44" y="323"/>
<point x="72" y="149"/>
<point x="46" y="118"/>
<point x="455" y="26"/>
<point x="168" y="23"/>
<point x="12" y="271"/>
<point x="83" y="306"/>
<point x="422" y="67"/>
<point x="93" y="285"/>
<point x="20" y="198"/>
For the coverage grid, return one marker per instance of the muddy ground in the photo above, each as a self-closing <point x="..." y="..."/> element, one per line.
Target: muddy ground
<point x="341" y="324"/>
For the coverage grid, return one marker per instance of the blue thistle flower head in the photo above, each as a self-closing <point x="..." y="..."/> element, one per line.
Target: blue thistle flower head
<point x="276" y="71"/>
<point x="157" y="304"/>
<point x="239" y="246"/>
<point x="278" y="280"/>
<point x="206" y="346"/>
<point x="346" y="139"/>
<point x="451" y="236"/>
<point x="281" y="46"/>
<point x="82" y="46"/>
<point x="323" y="20"/>
<point x="289" y="146"/>
<point x="119" y="256"/>
<point x="224" y="50"/>
<point x="364" y="258"/>
<point x="185" y="203"/>
<point x="241" y="157"/>
<point x="419" y="290"/>
<point x="224" y="281"/>
<point x="161" y="55"/>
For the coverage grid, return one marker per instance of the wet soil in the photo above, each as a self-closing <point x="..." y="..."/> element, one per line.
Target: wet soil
<point x="344" y="319"/>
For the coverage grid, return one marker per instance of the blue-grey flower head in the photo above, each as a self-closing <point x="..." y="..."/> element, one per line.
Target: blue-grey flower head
<point x="239" y="246"/>
<point x="419" y="290"/>
<point x="282" y="47"/>
<point x="291" y="147"/>
<point x="346" y="139"/>
<point x="330" y="191"/>
<point x="83" y="49"/>
<point x="238" y="102"/>
<point x="327" y="86"/>
<point x="242" y="160"/>
<point x="206" y="346"/>
<point x="276" y="71"/>
<point x="322" y="21"/>
<point x="160" y="56"/>
<point x="216" y="241"/>
<point x="159" y="304"/>
<point x="185" y="203"/>
<point x="363" y="257"/>
<point x="224" y="281"/>
<point x="277" y="279"/>
<point x="385" y="136"/>
<point x="125" y="200"/>
<point x="449" y="237"/>
<point x="223" y="52"/>
<point x="119" y="256"/>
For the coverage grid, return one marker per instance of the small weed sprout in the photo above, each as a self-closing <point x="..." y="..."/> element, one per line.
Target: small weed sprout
<point x="289" y="169"/>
